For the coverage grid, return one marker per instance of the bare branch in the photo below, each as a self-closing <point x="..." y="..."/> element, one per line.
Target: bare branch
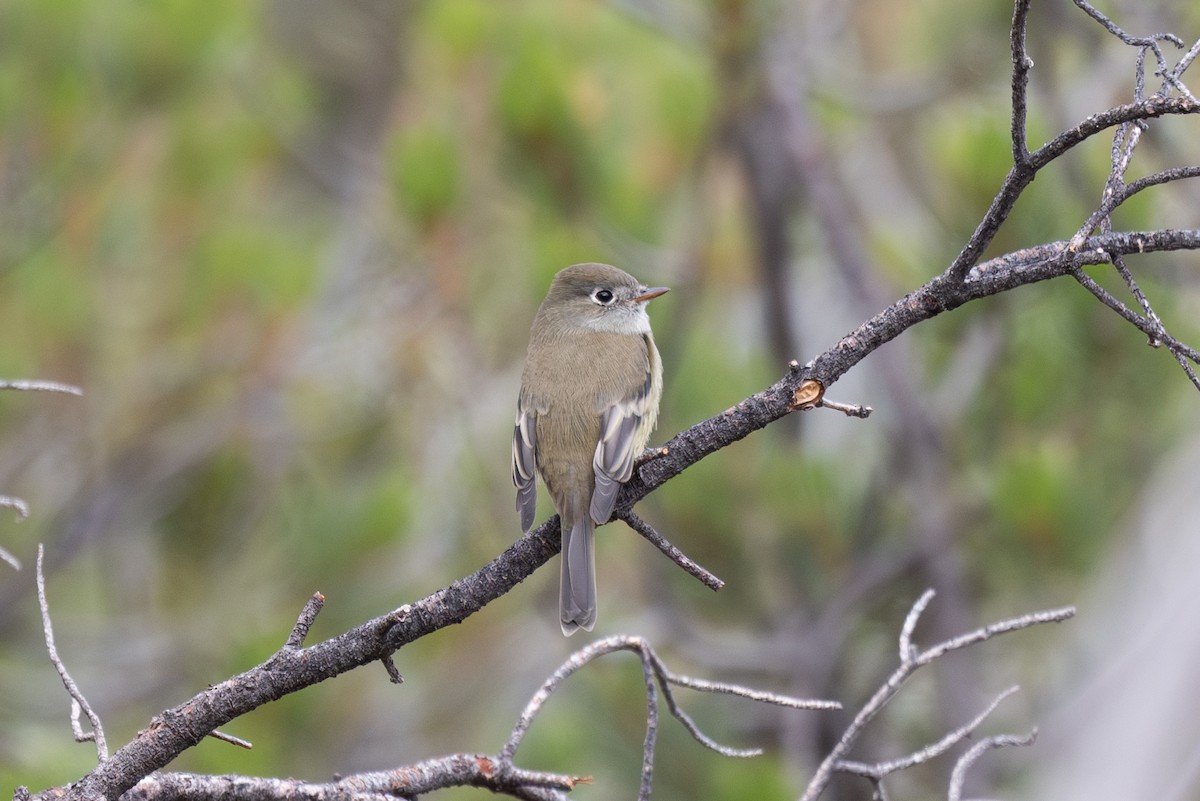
<point x="1128" y="119"/>
<point x="493" y="772"/>
<point x="907" y="651"/>
<point x="910" y="661"/>
<point x="16" y="504"/>
<point x="35" y="385"/>
<point x="657" y="678"/>
<point x="7" y="501"/>
<point x="959" y="774"/>
<point x="692" y="568"/>
<point x="22" y="509"/>
<point x="878" y="770"/>
<point x="308" y="615"/>
<point x="1022" y="64"/>
<point x="1150" y="324"/>
<point x="455" y="770"/>
<point x="78" y="702"/>
<point x="1143" y="43"/>
<point x="993" y="630"/>
<point x="860" y="411"/>
<point x="965" y="279"/>
<point x="231" y="739"/>
<point x="1116" y="193"/>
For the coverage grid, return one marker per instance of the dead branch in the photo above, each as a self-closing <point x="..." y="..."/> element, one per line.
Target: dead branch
<point x="17" y="504"/>
<point x="37" y="385"/>
<point x="959" y="774"/>
<point x="657" y="679"/>
<point x="495" y="772"/>
<point x="965" y="279"/>
<point x="911" y="659"/>
<point x="685" y="562"/>
<point x="78" y="702"/>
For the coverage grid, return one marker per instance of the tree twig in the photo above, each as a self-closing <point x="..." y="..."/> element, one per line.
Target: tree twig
<point x="308" y="616"/>
<point x="964" y="279"/>
<point x="911" y="659"/>
<point x="411" y="781"/>
<point x="22" y="509"/>
<point x="657" y="679"/>
<point x="7" y="501"/>
<point x="78" y="702"/>
<point x="959" y="774"/>
<point x="497" y="772"/>
<point x="689" y="566"/>
<point x="878" y="770"/>
<point x="37" y="385"/>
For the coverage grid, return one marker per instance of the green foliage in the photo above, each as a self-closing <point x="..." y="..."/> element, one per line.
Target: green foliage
<point x="425" y="167"/>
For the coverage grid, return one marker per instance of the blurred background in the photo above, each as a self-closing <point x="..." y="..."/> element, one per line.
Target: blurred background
<point x="290" y="250"/>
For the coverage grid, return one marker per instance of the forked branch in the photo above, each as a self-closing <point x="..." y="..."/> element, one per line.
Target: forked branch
<point x="295" y="667"/>
<point x="495" y="772"/>
<point x="78" y="702"/>
<point x="911" y="660"/>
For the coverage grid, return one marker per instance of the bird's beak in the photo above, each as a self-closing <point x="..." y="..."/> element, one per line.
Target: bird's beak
<point x="651" y="293"/>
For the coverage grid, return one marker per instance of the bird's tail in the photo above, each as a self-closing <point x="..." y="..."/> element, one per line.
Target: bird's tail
<point x="577" y="588"/>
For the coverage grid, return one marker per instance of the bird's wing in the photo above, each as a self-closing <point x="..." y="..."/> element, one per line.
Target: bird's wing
<point x="524" y="465"/>
<point x="623" y="431"/>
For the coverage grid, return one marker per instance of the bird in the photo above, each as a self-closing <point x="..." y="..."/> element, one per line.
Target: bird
<point x="590" y="391"/>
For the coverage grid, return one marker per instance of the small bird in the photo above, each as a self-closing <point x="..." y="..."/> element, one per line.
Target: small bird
<point x="589" y="400"/>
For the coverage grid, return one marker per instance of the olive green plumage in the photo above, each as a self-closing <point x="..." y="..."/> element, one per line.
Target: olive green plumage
<point x="589" y="400"/>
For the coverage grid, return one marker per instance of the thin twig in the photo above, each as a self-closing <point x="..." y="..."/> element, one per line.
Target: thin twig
<point x="22" y="510"/>
<point x="646" y="779"/>
<point x="1153" y="329"/>
<point x="36" y="385"/>
<point x="965" y="280"/>
<point x="7" y="501"/>
<point x="959" y="774"/>
<point x="16" y="504"/>
<point x="910" y="661"/>
<point x="1143" y="43"/>
<point x="231" y="739"/>
<point x="1022" y="64"/>
<point x="907" y="651"/>
<point x="849" y="409"/>
<point x="78" y="702"/>
<point x="1114" y="198"/>
<point x="1135" y="290"/>
<point x="13" y="561"/>
<point x="657" y="679"/>
<point x="878" y="770"/>
<point x="411" y="781"/>
<point x="689" y="566"/>
<point x="992" y="630"/>
<point x="304" y="622"/>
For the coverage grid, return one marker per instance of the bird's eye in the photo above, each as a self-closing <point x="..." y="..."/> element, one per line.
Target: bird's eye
<point x="603" y="296"/>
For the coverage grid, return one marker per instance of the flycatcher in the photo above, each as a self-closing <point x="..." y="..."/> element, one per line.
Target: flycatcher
<point x="589" y="400"/>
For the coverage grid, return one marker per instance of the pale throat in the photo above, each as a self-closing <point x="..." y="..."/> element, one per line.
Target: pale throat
<point x="621" y="321"/>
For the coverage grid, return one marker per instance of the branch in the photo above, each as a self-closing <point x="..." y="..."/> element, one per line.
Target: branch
<point x="959" y="774"/>
<point x="878" y="770"/>
<point x="685" y="562"/>
<point x="7" y="501"/>
<point x="497" y="772"/>
<point x="657" y="678"/>
<point x="22" y="509"/>
<point x="78" y="702"/>
<point x="36" y="385"/>
<point x="455" y="770"/>
<point x="911" y="659"/>
<point x="293" y="668"/>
